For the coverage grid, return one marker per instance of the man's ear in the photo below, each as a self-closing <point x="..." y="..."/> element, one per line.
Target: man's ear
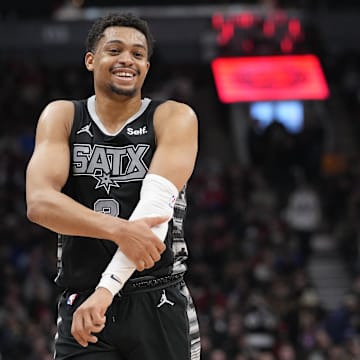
<point x="89" y="61"/>
<point x="147" y="67"/>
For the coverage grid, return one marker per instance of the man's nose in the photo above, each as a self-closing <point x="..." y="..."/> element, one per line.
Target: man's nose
<point x="125" y="57"/>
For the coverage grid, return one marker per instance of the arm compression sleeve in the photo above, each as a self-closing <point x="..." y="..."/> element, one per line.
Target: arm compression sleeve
<point x="157" y="198"/>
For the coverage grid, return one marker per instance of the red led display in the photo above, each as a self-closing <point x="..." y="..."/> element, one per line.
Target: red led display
<point x="280" y="32"/>
<point x="260" y="78"/>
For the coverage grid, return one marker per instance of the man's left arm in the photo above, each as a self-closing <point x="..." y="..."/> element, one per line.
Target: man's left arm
<point x="176" y="131"/>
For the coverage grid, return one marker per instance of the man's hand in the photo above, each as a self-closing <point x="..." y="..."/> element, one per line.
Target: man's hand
<point x="90" y="318"/>
<point x="142" y="246"/>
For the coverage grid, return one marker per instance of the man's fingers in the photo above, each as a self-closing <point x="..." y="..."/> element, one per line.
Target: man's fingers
<point x="92" y="339"/>
<point x="150" y="247"/>
<point x="88" y="324"/>
<point x="98" y="328"/>
<point x="77" y="330"/>
<point x="140" y="265"/>
<point x="148" y="261"/>
<point x="161" y="247"/>
<point x="155" y="256"/>
<point x="98" y="319"/>
<point x="84" y="338"/>
<point x="156" y="220"/>
<point x="84" y="325"/>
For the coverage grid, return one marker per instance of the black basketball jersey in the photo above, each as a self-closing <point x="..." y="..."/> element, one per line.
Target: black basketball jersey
<point x="106" y="173"/>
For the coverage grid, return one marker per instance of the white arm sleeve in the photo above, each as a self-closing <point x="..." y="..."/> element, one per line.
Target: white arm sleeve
<point x="157" y="198"/>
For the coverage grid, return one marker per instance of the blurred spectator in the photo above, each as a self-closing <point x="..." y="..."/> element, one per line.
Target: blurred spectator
<point x="286" y="351"/>
<point x="344" y="322"/>
<point x="260" y="324"/>
<point x="303" y="212"/>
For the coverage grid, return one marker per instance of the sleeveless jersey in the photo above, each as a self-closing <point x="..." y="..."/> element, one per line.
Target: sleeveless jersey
<point x="106" y="173"/>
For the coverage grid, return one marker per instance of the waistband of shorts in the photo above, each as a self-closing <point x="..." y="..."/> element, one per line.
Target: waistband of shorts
<point x="149" y="283"/>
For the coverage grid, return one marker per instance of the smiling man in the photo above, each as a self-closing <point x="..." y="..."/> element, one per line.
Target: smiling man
<point x="108" y="174"/>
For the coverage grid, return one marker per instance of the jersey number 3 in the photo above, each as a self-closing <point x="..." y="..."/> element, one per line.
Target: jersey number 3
<point x="107" y="206"/>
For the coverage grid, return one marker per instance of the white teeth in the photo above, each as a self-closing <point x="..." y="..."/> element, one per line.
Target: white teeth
<point x="124" y="74"/>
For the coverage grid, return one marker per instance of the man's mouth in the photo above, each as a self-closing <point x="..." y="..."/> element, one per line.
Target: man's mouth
<point x="124" y="75"/>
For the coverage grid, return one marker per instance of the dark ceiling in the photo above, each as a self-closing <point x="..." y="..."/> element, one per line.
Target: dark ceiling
<point x="40" y="9"/>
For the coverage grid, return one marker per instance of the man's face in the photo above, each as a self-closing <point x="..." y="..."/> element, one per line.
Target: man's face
<point x="120" y="61"/>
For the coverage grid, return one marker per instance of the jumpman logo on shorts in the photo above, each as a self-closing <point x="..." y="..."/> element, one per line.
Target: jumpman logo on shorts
<point x="164" y="300"/>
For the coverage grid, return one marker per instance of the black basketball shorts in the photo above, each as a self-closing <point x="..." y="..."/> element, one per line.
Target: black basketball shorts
<point x="147" y="325"/>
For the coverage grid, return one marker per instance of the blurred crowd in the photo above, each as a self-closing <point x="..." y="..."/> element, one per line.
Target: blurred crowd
<point x="43" y="9"/>
<point x="249" y="228"/>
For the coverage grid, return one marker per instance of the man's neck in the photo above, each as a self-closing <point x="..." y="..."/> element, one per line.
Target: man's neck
<point x="113" y="113"/>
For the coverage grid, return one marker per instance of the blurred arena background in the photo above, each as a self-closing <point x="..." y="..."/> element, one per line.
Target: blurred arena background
<point x="274" y="203"/>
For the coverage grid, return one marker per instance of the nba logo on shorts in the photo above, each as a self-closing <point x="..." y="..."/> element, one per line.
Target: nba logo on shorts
<point x="172" y="201"/>
<point x="71" y="299"/>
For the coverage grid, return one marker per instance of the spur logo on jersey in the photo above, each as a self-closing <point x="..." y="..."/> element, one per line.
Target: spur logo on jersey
<point x="137" y="132"/>
<point x="110" y="166"/>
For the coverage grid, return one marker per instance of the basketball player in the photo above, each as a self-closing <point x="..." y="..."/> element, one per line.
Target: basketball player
<point x="108" y="174"/>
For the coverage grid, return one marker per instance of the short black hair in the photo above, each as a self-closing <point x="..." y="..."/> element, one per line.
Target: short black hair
<point x="127" y="19"/>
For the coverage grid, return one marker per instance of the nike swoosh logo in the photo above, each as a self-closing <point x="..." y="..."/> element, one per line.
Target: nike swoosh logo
<point x="112" y="276"/>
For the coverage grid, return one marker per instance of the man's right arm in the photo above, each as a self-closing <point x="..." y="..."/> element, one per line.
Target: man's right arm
<point x="47" y="206"/>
